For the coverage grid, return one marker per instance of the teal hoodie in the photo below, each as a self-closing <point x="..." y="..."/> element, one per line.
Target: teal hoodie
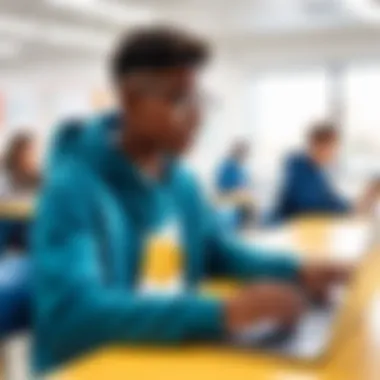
<point x="94" y="215"/>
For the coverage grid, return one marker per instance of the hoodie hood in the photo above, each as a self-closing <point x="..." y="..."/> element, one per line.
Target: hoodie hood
<point x="93" y="142"/>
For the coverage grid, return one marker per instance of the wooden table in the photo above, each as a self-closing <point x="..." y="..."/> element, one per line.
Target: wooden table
<point x="355" y="354"/>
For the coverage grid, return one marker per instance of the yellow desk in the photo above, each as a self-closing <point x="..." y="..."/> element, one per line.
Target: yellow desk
<point x="354" y="355"/>
<point x="16" y="209"/>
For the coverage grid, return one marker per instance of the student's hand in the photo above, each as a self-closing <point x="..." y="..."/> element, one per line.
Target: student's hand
<point x="317" y="279"/>
<point x="370" y="197"/>
<point x="280" y="303"/>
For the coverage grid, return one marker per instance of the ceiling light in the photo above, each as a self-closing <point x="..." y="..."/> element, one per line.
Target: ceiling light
<point x="365" y="9"/>
<point x="110" y="11"/>
<point x="53" y="33"/>
<point x="15" y="26"/>
<point x="64" y="35"/>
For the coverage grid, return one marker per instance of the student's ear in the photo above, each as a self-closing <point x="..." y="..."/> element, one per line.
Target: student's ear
<point x="128" y="98"/>
<point x="131" y="99"/>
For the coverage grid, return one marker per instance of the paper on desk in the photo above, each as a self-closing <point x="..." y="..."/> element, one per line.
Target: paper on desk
<point x="349" y="242"/>
<point x="272" y="240"/>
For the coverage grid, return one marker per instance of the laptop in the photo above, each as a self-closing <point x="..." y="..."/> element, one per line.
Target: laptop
<point x="314" y="334"/>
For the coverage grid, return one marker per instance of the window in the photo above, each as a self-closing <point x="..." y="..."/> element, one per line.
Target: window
<point x="283" y="106"/>
<point x="361" y="118"/>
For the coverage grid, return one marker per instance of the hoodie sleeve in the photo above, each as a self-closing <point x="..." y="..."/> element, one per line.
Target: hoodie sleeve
<point x="227" y="256"/>
<point x="75" y="311"/>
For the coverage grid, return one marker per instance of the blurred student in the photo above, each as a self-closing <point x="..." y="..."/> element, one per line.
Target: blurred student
<point x="232" y="175"/>
<point x="19" y="179"/>
<point x="308" y="187"/>
<point x="234" y="186"/>
<point x="121" y="184"/>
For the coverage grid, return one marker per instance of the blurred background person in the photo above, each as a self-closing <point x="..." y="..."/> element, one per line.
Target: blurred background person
<point x="232" y="175"/>
<point x="309" y="186"/>
<point x="234" y="186"/>
<point x="19" y="182"/>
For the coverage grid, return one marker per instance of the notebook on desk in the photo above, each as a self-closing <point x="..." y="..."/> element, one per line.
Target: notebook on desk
<point x="312" y="337"/>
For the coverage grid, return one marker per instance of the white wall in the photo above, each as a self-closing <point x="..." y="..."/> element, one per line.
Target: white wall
<point x="309" y="48"/>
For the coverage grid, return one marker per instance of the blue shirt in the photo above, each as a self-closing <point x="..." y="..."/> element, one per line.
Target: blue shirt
<point x="231" y="176"/>
<point x="15" y="281"/>
<point x="307" y="190"/>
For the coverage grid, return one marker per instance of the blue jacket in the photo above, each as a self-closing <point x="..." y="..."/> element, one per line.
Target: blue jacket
<point x="231" y="176"/>
<point x="14" y="295"/>
<point x="94" y="214"/>
<point x="306" y="190"/>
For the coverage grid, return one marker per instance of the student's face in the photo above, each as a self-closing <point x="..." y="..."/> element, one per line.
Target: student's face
<point x="327" y="152"/>
<point x="166" y="113"/>
<point x="242" y="153"/>
<point x="27" y="160"/>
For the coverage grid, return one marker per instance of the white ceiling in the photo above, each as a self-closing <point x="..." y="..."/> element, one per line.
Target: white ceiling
<point x="46" y="30"/>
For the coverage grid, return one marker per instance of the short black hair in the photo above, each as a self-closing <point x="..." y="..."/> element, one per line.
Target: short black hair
<point x="323" y="132"/>
<point x="157" y="48"/>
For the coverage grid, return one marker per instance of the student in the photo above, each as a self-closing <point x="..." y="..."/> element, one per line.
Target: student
<point x="234" y="186"/>
<point x="19" y="179"/>
<point x="307" y="187"/>
<point x="121" y="184"/>
<point x="232" y="175"/>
